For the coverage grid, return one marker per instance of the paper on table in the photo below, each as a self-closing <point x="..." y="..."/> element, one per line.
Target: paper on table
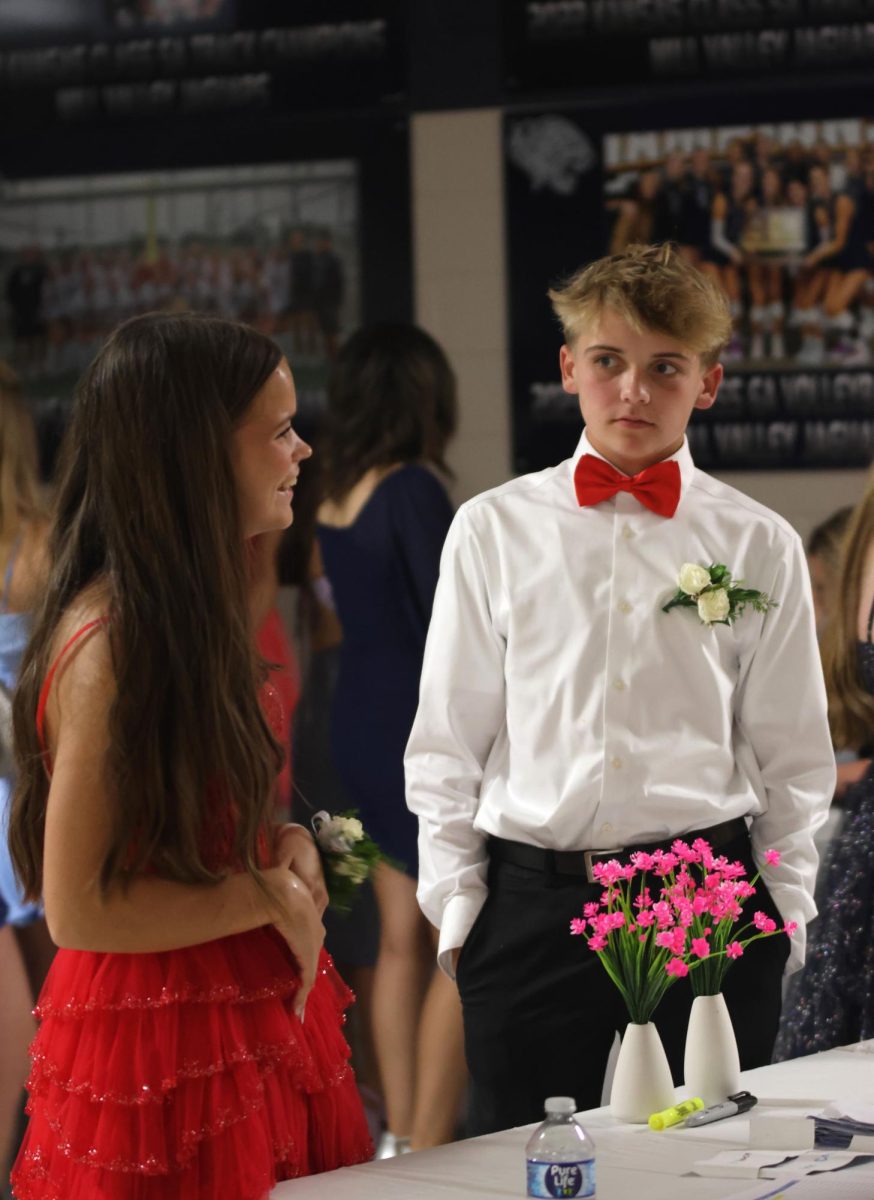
<point x="850" y="1110"/>
<point x="854" y="1186"/>
<point x="813" y="1161"/>
<point x="740" y="1164"/>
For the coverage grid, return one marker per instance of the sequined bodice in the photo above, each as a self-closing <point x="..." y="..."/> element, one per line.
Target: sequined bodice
<point x="865" y="658"/>
<point x="865" y="655"/>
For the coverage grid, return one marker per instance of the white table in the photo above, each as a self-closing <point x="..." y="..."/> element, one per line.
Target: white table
<point x="633" y="1163"/>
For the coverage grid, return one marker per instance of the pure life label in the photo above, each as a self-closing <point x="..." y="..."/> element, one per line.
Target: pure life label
<point x="561" y="1179"/>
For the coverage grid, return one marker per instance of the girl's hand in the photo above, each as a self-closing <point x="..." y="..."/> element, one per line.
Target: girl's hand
<point x="301" y="927"/>
<point x="295" y="848"/>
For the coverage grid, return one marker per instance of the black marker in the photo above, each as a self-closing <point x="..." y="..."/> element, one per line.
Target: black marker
<point x="740" y="1102"/>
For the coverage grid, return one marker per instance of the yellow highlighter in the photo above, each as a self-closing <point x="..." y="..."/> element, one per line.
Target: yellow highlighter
<point x="673" y="1116"/>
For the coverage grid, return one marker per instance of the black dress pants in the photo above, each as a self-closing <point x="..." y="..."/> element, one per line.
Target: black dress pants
<point x="540" y="1011"/>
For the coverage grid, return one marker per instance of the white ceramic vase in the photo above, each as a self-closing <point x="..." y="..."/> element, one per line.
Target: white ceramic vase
<point x="642" y="1081"/>
<point x="711" y="1067"/>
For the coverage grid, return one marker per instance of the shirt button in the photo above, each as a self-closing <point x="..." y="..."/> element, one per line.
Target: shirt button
<point x="627" y="532"/>
<point x="616" y="762"/>
<point x="624" y="606"/>
<point x="619" y="685"/>
<point x="606" y="827"/>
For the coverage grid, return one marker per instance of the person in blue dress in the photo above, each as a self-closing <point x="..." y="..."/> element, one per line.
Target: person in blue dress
<point x="380" y="529"/>
<point x="25" y="947"/>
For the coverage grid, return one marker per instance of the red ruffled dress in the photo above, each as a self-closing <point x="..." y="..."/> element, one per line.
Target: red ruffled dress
<point x="185" y="1074"/>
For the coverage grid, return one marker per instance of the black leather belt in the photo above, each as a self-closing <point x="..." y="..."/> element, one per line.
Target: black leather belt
<point x="580" y="862"/>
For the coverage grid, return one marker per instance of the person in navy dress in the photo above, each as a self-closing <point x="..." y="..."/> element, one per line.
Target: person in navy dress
<point x="381" y="526"/>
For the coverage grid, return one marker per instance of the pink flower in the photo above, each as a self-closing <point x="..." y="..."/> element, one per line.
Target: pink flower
<point x="733" y="870"/>
<point x="789" y="927"/>
<point x="685" y="852"/>
<point x="597" y="942"/>
<point x="590" y="909"/>
<point x="732" y="950"/>
<point x="663" y="913"/>
<point x="665" y="862"/>
<point x="672" y="939"/>
<point x="700" y="947"/>
<point x="677" y="967"/>
<point x="772" y="858"/>
<point x="703" y="848"/>
<point x="644" y="900"/>
<point x="578" y="925"/>
<point x="615" y="920"/>
<point x="642" y="861"/>
<point x="764" y="923"/>
<point x="607" y="872"/>
<point x="642" y="937"/>
<point x="645" y="918"/>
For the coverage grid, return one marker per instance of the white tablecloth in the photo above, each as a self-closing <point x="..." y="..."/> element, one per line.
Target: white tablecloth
<point x="633" y="1163"/>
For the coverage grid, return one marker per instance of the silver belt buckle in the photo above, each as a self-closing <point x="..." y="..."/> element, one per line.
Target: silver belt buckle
<point x="589" y="855"/>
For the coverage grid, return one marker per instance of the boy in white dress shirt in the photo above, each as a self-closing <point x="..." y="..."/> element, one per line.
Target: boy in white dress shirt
<point x="563" y="712"/>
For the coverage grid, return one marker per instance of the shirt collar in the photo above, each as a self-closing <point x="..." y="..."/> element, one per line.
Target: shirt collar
<point x="682" y="457"/>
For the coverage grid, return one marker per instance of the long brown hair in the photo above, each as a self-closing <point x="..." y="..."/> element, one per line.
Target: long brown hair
<point x="391" y="399"/>
<point x="851" y="705"/>
<point x="147" y="504"/>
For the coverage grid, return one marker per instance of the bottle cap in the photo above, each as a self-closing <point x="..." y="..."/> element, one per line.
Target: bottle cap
<point x="560" y="1104"/>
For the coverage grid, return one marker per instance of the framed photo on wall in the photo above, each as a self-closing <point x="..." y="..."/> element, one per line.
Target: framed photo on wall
<point x="779" y="212"/>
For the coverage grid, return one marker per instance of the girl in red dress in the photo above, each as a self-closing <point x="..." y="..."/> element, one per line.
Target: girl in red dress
<point x="190" y="1043"/>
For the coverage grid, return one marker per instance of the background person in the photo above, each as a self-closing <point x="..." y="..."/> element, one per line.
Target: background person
<point x="381" y="525"/>
<point x="832" y="1002"/>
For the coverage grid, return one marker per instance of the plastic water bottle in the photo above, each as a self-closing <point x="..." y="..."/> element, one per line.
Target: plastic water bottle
<point x="561" y="1155"/>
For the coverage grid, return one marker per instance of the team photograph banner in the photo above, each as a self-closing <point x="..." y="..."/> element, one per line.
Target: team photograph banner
<point x="780" y="215"/>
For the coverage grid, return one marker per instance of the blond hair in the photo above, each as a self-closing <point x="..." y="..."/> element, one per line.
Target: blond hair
<point x="21" y="492"/>
<point x="651" y="287"/>
<point x="850" y="704"/>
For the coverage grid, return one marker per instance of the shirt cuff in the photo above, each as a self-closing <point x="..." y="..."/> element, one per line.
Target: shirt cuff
<point x="459" y="914"/>
<point x="787" y="901"/>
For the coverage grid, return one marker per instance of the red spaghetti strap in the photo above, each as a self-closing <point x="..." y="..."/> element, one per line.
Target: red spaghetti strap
<point x="47" y="685"/>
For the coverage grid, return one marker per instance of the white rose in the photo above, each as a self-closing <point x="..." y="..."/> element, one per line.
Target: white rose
<point x="713" y="606"/>
<point x="692" y="579"/>
<point x="350" y="828"/>
<point x="352" y="868"/>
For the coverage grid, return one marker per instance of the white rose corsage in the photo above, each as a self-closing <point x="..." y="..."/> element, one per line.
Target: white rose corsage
<point x="349" y="855"/>
<point x="718" y="598"/>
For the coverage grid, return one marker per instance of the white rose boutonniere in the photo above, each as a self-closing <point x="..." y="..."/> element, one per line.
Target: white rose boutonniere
<point x="717" y="597"/>
<point x="349" y="855"/>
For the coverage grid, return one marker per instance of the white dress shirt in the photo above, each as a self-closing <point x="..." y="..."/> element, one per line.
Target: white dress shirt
<point x="561" y="707"/>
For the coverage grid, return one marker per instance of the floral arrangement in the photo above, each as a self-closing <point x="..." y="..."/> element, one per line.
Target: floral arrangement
<point x="349" y="856"/>
<point x="718" y="598"/>
<point x="645" y="944"/>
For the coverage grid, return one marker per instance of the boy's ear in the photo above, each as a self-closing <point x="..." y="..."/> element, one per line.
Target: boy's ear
<point x="710" y="382"/>
<point x="567" y="363"/>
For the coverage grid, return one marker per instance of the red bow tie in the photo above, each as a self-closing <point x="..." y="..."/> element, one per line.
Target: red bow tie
<point x="656" y="487"/>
